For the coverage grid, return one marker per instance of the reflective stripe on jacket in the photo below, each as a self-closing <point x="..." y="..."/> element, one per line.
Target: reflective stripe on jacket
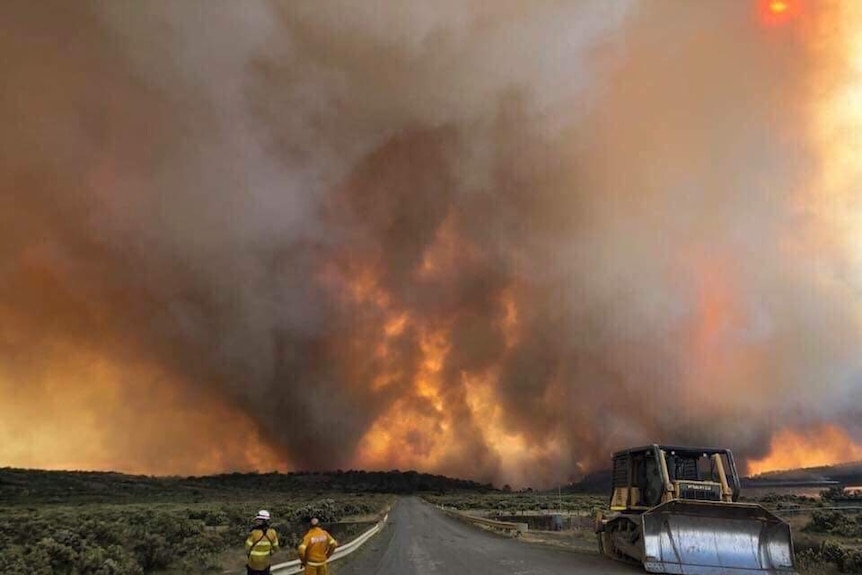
<point x="316" y="546"/>
<point x="260" y="546"/>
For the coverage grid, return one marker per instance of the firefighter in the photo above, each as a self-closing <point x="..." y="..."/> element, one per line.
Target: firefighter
<point x="316" y="547"/>
<point x="261" y="543"/>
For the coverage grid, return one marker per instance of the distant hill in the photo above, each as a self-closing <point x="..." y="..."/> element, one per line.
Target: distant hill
<point x="594" y="483"/>
<point x="843" y="473"/>
<point x="40" y="486"/>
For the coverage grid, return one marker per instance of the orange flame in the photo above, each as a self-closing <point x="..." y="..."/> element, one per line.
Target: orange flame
<point x="792" y="449"/>
<point x="421" y="427"/>
<point x="415" y="431"/>
<point x="83" y="417"/>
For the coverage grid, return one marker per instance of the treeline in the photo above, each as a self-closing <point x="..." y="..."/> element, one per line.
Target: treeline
<point x="352" y="481"/>
<point x="843" y="473"/>
<point x="34" y="486"/>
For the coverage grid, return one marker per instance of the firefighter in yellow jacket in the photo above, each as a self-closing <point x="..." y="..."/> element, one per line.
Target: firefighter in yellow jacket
<point x="314" y="550"/>
<point x="261" y="543"/>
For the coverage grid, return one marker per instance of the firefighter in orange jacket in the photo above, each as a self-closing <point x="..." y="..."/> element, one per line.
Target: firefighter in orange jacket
<point x="316" y="547"/>
<point x="261" y="543"/>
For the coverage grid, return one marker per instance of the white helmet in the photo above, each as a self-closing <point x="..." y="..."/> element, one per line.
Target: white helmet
<point x="263" y="514"/>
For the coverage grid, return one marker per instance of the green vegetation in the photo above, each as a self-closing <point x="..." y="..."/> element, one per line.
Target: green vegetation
<point x="826" y="541"/>
<point x="827" y="556"/>
<point x="838" y="523"/>
<point x="841" y="494"/>
<point x="19" y="486"/>
<point x="166" y="537"/>
<point x="107" y="523"/>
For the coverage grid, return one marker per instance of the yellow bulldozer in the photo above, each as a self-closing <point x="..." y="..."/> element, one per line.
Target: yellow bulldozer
<point x="676" y="510"/>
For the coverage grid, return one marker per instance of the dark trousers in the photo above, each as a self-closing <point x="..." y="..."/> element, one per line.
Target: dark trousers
<point x="250" y="571"/>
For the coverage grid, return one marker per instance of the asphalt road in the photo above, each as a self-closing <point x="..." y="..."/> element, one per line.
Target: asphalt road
<point x="421" y="540"/>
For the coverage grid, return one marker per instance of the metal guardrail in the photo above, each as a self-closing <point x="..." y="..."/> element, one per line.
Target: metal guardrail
<point x="515" y="528"/>
<point x="508" y="526"/>
<point x="293" y="567"/>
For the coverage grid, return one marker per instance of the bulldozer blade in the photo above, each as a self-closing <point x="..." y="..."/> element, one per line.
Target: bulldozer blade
<point x="712" y="538"/>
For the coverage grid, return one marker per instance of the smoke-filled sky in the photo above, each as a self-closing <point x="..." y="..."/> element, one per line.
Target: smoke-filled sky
<point x="495" y="240"/>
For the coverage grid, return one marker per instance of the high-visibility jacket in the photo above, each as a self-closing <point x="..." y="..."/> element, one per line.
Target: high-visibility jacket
<point x="316" y="547"/>
<point x="259" y="546"/>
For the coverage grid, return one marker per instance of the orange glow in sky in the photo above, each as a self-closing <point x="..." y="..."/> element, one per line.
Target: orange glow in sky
<point x="778" y="7"/>
<point x="792" y="449"/>
<point x="86" y="419"/>
<point x="777" y="12"/>
<point x="502" y="275"/>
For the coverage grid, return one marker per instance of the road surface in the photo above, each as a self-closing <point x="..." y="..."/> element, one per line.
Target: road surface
<point x="421" y="540"/>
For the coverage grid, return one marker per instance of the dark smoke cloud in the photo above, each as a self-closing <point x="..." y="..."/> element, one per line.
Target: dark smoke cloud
<point x="199" y="190"/>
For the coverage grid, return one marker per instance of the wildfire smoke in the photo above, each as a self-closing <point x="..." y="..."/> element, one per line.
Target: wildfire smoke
<point x="495" y="241"/>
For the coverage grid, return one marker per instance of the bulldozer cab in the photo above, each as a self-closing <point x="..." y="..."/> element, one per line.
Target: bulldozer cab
<point x="644" y="477"/>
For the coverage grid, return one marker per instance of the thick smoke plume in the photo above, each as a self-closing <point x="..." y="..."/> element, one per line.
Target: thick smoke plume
<point x="494" y="240"/>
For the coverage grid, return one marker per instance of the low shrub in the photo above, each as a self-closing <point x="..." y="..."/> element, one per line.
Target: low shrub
<point x="838" y="523"/>
<point x="815" y="558"/>
<point x="135" y="539"/>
